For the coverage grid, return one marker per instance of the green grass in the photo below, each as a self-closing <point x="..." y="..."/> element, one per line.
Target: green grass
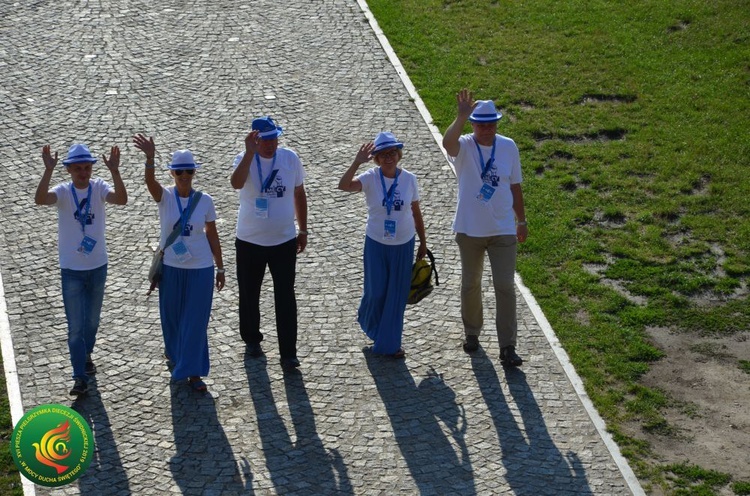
<point x="741" y="488"/>
<point x="695" y="481"/>
<point x="631" y="119"/>
<point x="10" y="480"/>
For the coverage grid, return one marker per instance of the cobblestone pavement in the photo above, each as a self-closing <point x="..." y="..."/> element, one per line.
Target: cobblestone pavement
<point x="193" y="74"/>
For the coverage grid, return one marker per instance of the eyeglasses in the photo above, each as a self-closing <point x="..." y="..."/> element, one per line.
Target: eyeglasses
<point x="178" y="172"/>
<point x="392" y="153"/>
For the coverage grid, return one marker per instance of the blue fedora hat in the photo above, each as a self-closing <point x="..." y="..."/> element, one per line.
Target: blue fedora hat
<point x="79" y="153"/>
<point x="267" y="128"/>
<point x="183" y="159"/>
<point x="384" y="141"/>
<point x="485" y="112"/>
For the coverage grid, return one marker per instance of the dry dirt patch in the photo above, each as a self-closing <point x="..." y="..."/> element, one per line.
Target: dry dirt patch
<point x="711" y="411"/>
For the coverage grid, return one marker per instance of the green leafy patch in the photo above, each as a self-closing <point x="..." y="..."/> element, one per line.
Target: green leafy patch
<point x="741" y="488"/>
<point x="694" y="480"/>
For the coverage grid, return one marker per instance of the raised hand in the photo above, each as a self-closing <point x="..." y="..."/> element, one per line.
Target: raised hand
<point x="251" y="143"/>
<point x="365" y="153"/>
<point x="49" y="161"/>
<point x="146" y="145"/>
<point x="465" y="103"/>
<point x="113" y="163"/>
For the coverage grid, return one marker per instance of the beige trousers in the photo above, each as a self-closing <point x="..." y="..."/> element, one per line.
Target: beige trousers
<point x="501" y="250"/>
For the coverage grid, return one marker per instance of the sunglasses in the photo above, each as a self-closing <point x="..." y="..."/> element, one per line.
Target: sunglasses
<point x="392" y="153"/>
<point x="178" y="172"/>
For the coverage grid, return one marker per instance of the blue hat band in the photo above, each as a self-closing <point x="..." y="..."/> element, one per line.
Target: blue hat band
<point x="269" y="134"/>
<point x="79" y="158"/>
<point x="485" y="117"/>
<point x="388" y="144"/>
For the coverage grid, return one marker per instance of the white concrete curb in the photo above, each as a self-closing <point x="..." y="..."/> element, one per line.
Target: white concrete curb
<point x="562" y="356"/>
<point x="575" y="380"/>
<point x="11" y="375"/>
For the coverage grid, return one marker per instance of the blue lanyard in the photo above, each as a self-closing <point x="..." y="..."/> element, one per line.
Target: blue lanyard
<point x="183" y="213"/>
<point x="388" y="195"/>
<point x="82" y="216"/>
<point x="486" y="167"/>
<point x="264" y="185"/>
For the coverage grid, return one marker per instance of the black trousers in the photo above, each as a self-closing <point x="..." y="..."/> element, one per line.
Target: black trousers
<point x="281" y="260"/>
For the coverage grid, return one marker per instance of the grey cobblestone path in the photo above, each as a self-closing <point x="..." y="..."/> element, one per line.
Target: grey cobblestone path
<point x="193" y="74"/>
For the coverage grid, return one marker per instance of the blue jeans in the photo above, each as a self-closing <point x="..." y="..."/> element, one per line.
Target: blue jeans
<point x="83" y="293"/>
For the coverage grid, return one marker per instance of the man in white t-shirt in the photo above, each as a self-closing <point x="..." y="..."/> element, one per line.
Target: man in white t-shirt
<point x="82" y="247"/>
<point x="490" y="218"/>
<point x="270" y="181"/>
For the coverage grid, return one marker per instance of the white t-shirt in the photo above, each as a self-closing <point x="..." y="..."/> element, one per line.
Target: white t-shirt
<point x="267" y="218"/>
<point x="194" y="234"/>
<point x="495" y="216"/>
<point x="405" y="193"/>
<point x="70" y="231"/>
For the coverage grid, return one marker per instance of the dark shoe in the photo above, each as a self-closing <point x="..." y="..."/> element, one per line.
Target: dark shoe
<point x="197" y="384"/>
<point x="254" y="350"/>
<point x="508" y="357"/>
<point x="170" y="363"/>
<point x="90" y="367"/>
<point x="289" y="363"/>
<point x="400" y="353"/>
<point x="471" y="344"/>
<point x="79" y="387"/>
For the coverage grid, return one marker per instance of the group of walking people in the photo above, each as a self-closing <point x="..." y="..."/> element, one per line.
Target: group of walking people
<point x="272" y="230"/>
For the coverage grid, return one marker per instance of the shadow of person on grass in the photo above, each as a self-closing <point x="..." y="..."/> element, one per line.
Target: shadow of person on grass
<point x="203" y="462"/>
<point x="106" y="474"/>
<point x="534" y="464"/>
<point x="304" y="464"/>
<point x="415" y="412"/>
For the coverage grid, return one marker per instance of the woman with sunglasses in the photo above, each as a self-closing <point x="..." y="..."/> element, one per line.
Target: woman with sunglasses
<point x="393" y="216"/>
<point x="187" y="283"/>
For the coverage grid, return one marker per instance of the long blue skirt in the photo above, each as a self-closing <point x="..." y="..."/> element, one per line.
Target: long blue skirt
<point x="185" y="299"/>
<point x="387" y="281"/>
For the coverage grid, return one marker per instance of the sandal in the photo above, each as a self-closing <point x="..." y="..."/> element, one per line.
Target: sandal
<point x="197" y="384"/>
<point x="400" y="353"/>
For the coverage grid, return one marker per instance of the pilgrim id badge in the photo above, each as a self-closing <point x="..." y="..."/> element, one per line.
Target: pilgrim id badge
<point x="181" y="251"/>
<point x="87" y="245"/>
<point x="261" y="208"/>
<point x="389" y="231"/>
<point x="485" y="194"/>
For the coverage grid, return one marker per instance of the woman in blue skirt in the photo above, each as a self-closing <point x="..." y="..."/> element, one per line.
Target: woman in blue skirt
<point x="393" y="217"/>
<point x="187" y="285"/>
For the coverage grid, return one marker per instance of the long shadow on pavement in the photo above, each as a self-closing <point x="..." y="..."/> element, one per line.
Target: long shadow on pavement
<point x="415" y="411"/>
<point x="304" y="466"/>
<point x="203" y="462"/>
<point x="106" y="464"/>
<point x="533" y="463"/>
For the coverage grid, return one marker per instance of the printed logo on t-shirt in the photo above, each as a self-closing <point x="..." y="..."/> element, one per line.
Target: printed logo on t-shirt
<point x="397" y="201"/>
<point x="492" y="177"/>
<point x="276" y="189"/>
<point x="186" y="230"/>
<point x="82" y="208"/>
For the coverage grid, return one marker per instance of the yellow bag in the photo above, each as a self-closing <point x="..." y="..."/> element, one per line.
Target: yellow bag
<point x="421" y="279"/>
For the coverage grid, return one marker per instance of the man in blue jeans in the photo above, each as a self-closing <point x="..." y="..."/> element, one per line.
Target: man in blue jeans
<point x="270" y="181"/>
<point x="82" y="247"/>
